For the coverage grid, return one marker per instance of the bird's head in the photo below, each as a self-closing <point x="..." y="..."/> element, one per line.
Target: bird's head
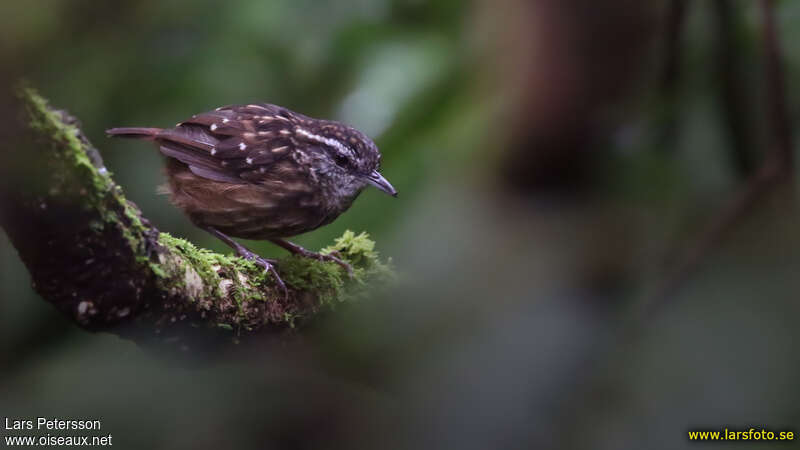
<point x="346" y="157"/>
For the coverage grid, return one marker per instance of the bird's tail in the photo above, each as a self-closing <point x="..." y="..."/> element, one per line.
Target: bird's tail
<point x="136" y="133"/>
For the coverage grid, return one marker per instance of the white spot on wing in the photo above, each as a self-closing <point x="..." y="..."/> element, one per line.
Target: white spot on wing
<point x="249" y="160"/>
<point x="242" y="146"/>
<point x="213" y="126"/>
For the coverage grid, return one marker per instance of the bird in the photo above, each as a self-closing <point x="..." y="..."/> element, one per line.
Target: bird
<point x="264" y="172"/>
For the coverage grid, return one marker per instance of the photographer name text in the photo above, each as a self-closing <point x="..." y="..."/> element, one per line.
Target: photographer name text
<point x="50" y="423"/>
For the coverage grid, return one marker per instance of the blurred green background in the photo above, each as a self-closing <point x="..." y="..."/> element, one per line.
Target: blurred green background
<point x="555" y="159"/>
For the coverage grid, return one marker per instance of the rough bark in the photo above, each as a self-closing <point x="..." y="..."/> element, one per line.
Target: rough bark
<point x="93" y="256"/>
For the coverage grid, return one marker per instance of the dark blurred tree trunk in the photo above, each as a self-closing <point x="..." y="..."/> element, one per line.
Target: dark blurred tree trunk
<point x="582" y="60"/>
<point x="734" y="92"/>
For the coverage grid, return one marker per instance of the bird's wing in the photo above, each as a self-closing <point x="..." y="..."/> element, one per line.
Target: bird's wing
<point x="233" y="144"/>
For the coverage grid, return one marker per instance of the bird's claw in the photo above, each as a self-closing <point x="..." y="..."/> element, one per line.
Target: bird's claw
<point x="269" y="267"/>
<point x="334" y="257"/>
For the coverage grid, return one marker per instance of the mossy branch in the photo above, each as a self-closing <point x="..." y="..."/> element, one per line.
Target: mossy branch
<point x="92" y="254"/>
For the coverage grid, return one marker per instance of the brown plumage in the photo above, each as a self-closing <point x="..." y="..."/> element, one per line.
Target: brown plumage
<point x="261" y="171"/>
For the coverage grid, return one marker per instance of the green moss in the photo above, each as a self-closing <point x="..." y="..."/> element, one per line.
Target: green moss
<point x="245" y="277"/>
<point x="158" y="270"/>
<point x="189" y="257"/>
<point x="305" y="274"/>
<point x="370" y="271"/>
<point x="225" y="326"/>
<point x="330" y="281"/>
<point x="65" y="137"/>
<point x="290" y="319"/>
<point x="359" y="249"/>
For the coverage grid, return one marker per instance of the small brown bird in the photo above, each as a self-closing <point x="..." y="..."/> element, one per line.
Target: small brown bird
<point x="261" y="171"/>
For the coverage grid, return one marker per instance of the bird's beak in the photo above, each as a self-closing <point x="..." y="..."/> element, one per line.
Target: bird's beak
<point x="381" y="183"/>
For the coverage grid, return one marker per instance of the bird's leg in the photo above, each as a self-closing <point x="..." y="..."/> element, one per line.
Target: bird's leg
<point x="241" y="250"/>
<point x="298" y="250"/>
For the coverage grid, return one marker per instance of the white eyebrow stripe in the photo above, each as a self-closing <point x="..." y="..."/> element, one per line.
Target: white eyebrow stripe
<point x="341" y="148"/>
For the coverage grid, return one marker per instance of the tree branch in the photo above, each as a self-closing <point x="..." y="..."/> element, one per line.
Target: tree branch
<point x="94" y="257"/>
<point x="776" y="169"/>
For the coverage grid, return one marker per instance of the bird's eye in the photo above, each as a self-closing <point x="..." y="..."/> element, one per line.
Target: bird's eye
<point x="341" y="160"/>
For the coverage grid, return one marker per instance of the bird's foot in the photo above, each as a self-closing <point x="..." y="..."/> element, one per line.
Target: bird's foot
<point x="267" y="264"/>
<point x="242" y="251"/>
<point x="334" y="257"/>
